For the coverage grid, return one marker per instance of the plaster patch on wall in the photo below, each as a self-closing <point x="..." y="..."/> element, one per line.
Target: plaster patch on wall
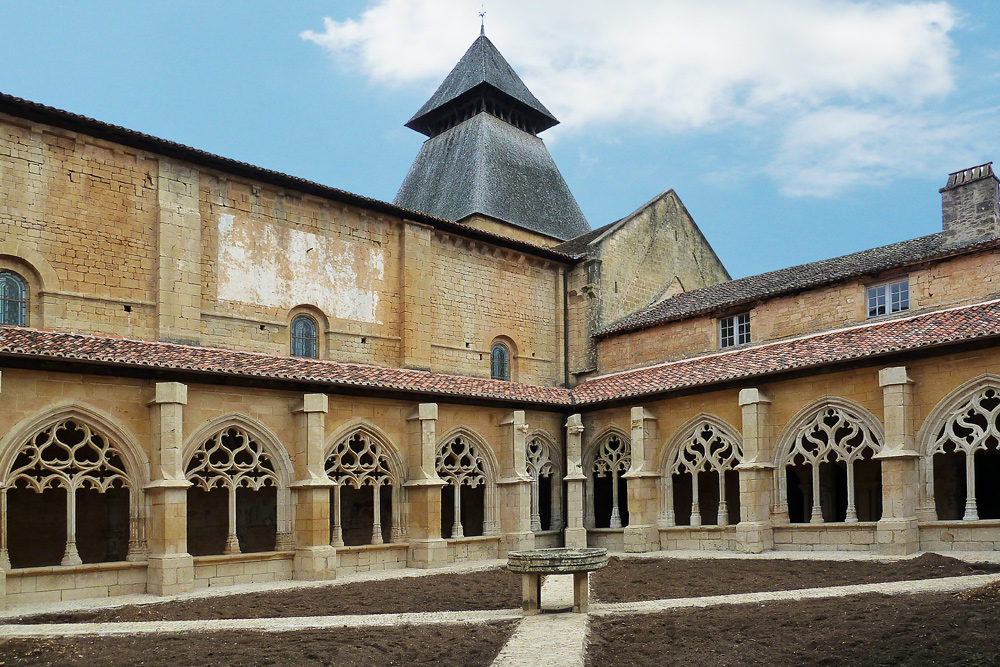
<point x="260" y="264"/>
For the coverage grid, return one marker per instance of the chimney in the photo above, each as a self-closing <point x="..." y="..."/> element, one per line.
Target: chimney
<point x="970" y="205"/>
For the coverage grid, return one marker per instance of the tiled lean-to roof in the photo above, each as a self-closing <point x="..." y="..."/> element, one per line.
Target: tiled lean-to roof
<point x="957" y="325"/>
<point x="141" y="354"/>
<point x="968" y="323"/>
<point x="734" y="293"/>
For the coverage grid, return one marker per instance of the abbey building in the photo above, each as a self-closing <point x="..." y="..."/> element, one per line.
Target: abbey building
<point x="212" y="373"/>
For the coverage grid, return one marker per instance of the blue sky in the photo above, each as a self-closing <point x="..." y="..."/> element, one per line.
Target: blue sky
<point x="793" y="130"/>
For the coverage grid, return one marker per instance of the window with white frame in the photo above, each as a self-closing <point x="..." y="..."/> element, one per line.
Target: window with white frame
<point x="734" y="330"/>
<point x="888" y="298"/>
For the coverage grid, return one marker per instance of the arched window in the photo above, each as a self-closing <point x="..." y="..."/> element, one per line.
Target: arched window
<point x="499" y="362"/>
<point x="67" y="499"/>
<point x="232" y="505"/>
<point x="546" y="491"/>
<point x="304" y="338"/>
<point x="360" y="517"/>
<point x="830" y="471"/>
<point x="13" y="299"/>
<point x="464" y="501"/>
<point x="612" y="460"/>
<point x="966" y="459"/>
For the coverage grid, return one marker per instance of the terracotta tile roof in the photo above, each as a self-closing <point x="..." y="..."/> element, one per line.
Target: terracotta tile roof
<point x="16" y="341"/>
<point x="733" y="293"/>
<point x="868" y="340"/>
<point x="921" y="331"/>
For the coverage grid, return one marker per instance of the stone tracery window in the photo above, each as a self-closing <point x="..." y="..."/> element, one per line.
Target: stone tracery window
<point x="543" y="468"/>
<point x="67" y="499"/>
<point x="359" y="516"/>
<point x="830" y="472"/>
<point x="232" y="507"/>
<point x="468" y="488"/>
<point x="702" y="483"/>
<point x="966" y="459"/>
<point x="612" y="459"/>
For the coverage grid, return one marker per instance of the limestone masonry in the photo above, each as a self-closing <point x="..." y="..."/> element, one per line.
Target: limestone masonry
<point x="212" y="373"/>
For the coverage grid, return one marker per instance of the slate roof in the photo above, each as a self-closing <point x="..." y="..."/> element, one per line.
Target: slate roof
<point x="577" y="245"/>
<point x="485" y="165"/>
<point x="482" y="63"/>
<point x="856" y="343"/>
<point x="805" y="276"/>
<point x="859" y="343"/>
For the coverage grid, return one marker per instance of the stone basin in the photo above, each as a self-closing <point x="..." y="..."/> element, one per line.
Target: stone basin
<point x="558" y="560"/>
<point x="531" y="565"/>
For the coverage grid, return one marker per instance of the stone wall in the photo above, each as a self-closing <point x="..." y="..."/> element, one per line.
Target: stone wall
<point x="955" y="281"/>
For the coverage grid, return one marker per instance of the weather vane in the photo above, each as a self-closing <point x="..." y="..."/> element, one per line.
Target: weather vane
<point x="482" y="22"/>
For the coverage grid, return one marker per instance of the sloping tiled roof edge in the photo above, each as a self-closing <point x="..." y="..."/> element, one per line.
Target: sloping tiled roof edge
<point x="870" y="340"/>
<point x="152" y="355"/>
<point x="793" y="279"/>
<point x="40" y="113"/>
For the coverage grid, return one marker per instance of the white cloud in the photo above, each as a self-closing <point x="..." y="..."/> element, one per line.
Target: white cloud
<point x="859" y="72"/>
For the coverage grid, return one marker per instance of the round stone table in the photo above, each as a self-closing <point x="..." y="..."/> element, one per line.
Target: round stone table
<point x="532" y="564"/>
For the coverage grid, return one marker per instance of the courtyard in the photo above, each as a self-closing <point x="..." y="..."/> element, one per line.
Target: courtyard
<point x="696" y="609"/>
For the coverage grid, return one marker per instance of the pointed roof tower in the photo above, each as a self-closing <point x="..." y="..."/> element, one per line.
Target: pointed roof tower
<point x="483" y="156"/>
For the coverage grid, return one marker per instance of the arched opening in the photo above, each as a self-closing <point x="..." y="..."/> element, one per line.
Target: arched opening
<point x="610" y="490"/>
<point x="831" y="474"/>
<point x="546" y="493"/>
<point x="67" y="500"/>
<point x="464" y="502"/>
<point x="364" y="500"/>
<point x="232" y="503"/>
<point x="965" y="455"/>
<point x="703" y="485"/>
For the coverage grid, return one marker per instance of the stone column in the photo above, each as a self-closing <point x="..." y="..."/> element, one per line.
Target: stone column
<point x="575" y="534"/>
<point x="315" y="559"/>
<point x="641" y="534"/>
<point x="416" y="298"/>
<point x="171" y="567"/>
<point x="898" y="532"/>
<point x="427" y="547"/>
<point x="514" y="486"/>
<point x="754" y="532"/>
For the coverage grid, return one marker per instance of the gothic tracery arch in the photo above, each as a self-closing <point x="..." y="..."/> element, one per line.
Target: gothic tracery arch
<point x="464" y="461"/>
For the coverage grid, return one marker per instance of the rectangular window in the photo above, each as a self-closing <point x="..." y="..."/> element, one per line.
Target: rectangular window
<point x="734" y="330"/>
<point x="889" y="298"/>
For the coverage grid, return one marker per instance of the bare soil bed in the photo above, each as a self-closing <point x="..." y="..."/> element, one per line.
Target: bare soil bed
<point x="631" y="580"/>
<point x="858" y="631"/>
<point x="487" y="589"/>
<point x="440" y="644"/>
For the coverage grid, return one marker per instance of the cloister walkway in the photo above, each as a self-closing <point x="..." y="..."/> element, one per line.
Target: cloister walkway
<point x="553" y="638"/>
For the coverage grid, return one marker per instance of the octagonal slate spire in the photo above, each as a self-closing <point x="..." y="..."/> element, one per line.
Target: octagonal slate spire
<point x="483" y="155"/>
<point x="482" y="71"/>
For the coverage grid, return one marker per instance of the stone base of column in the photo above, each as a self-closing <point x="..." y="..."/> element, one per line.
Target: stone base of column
<point x="3" y="588"/>
<point x="897" y="537"/>
<point x="170" y="575"/>
<point x="315" y="563"/>
<point x="516" y="542"/>
<point x="640" y="539"/>
<point x="427" y="553"/>
<point x="754" y="537"/>
<point x="575" y="538"/>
